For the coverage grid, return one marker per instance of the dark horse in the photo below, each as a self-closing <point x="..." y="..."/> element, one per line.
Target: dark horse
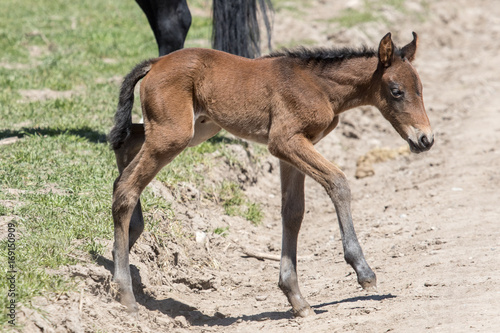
<point x="288" y="101"/>
<point x="235" y="26"/>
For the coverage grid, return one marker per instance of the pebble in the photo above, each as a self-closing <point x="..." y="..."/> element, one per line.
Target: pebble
<point x="261" y="298"/>
<point x="181" y="321"/>
<point x="162" y="321"/>
<point x="201" y="237"/>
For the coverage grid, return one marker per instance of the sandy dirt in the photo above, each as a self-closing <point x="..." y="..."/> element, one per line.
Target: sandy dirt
<point x="429" y="224"/>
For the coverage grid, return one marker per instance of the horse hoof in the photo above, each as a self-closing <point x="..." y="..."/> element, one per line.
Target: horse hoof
<point x="128" y="300"/>
<point x="369" y="284"/>
<point x="133" y="309"/>
<point x="372" y="288"/>
<point x="304" y="312"/>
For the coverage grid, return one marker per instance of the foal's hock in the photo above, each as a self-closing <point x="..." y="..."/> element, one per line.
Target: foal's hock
<point x="289" y="101"/>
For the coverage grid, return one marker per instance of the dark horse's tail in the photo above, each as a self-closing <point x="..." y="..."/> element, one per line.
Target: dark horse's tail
<point x="123" y="117"/>
<point x="236" y="28"/>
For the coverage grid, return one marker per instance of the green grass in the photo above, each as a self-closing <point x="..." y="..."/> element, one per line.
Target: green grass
<point x="235" y="204"/>
<point x="56" y="180"/>
<point x="222" y="231"/>
<point x="371" y="11"/>
<point x="352" y="17"/>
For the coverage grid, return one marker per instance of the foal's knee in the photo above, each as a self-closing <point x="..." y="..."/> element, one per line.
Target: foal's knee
<point x="338" y="188"/>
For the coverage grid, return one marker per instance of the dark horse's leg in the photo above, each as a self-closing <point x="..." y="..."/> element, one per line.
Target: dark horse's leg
<point x="236" y="28"/>
<point x="170" y="21"/>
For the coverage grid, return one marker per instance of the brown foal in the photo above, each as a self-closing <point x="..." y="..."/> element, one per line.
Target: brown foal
<point x="289" y="101"/>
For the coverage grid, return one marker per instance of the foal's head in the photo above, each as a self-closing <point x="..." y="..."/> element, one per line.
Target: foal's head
<point x="399" y="94"/>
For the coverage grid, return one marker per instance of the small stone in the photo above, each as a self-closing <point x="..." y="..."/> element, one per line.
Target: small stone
<point x="261" y="298"/>
<point x="181" y="321"/>
<point x="162" y="321"/>
<point x="201" y="237"/>
<point x="220" y="315"/>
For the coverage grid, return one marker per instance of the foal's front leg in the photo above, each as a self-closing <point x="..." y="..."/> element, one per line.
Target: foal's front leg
<point x="292" y="213"/>
<point x="299" y="152"/>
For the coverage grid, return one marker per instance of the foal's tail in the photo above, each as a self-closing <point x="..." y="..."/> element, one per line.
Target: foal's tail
<point x="236" y="28"/>
<point x="123" y="117"/>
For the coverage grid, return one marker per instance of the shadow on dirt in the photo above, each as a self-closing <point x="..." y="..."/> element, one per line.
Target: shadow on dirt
<point x="355" y="299"/>
<point x="174" y="308"/>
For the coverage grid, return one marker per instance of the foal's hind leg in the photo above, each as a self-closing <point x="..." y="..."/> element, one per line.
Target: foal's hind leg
<point x="300" y="152"/>
<point x="292" y="212"/>
<point x="157" y="151"/>
<point x="124" y="156"/>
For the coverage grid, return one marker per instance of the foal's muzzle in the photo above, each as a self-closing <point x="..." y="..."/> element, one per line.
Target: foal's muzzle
<point x="423" y="143"/>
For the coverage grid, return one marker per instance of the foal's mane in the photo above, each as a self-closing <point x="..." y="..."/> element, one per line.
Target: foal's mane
<point x="324" y="54"/>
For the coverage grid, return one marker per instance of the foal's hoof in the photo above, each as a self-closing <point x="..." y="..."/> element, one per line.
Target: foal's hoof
<point x="132" y="309"/>
<point x="129" y="302"/>
<point x="304" y="312"/>
<point x="369" y="283"/>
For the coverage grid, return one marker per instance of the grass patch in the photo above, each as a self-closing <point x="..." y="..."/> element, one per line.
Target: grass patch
<point x="59" y="174"/>
<point x="371" y="11"/>
<point x="3" y="210"/>
<point x="235" y="203"/>
<point x="351" y="17"/>
<point x="223" y="231"/>
<point x="254" y="213"/>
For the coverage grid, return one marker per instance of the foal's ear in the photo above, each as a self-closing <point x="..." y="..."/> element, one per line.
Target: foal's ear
<point x="386" y="50"/>
<point x="410" y="50"/>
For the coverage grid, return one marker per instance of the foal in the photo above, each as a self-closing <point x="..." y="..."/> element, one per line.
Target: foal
<point x="289" y="101"/>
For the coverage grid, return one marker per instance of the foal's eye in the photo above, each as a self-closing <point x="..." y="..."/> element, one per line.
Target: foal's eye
<point x="396" y="93"/>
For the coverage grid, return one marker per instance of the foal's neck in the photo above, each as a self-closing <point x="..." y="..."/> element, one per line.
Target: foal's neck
<point x="348" y="83"/>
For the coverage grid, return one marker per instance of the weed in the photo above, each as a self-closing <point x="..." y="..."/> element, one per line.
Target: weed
<point x="95" y="248"/>
<point x="235" y="204"/>
<point x="3" y="210"/>
<point x="231" y="197"/>
<point x="223" y="231"/>
<point x="254" y="213"/>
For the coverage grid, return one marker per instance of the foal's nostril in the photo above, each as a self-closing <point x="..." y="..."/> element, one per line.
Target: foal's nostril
<point x="424" y="142"/>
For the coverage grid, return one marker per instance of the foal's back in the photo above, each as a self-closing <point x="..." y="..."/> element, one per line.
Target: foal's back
<point x="236" y="93"/>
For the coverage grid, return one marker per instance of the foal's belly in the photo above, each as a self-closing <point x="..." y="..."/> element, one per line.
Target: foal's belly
<point x="204" y="129"/>
<point x="244" y="124"/>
